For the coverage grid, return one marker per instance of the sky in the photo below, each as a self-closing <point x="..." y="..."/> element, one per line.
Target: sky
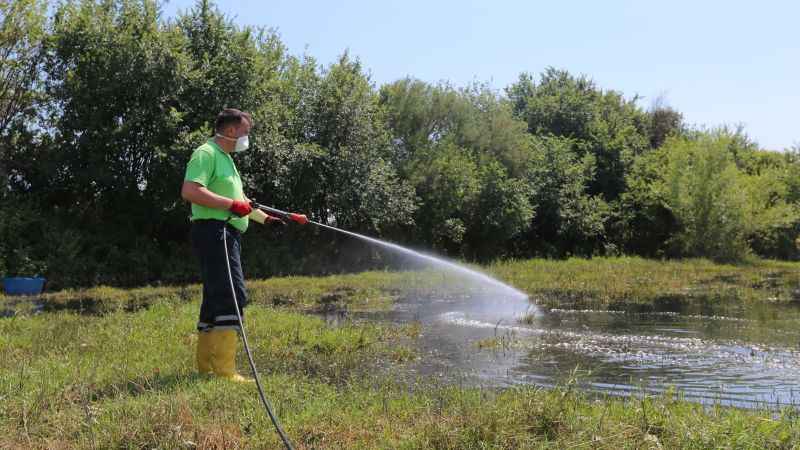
<point x="717" y="62"/>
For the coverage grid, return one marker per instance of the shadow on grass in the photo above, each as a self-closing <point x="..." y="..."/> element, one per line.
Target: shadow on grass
<point x="157" y="383"/>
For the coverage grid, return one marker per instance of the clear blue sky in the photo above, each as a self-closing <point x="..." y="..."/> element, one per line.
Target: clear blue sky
<point x="718" y="62"/>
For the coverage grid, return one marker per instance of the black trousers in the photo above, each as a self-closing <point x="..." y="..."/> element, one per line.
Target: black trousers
<point x="217" y="310"/>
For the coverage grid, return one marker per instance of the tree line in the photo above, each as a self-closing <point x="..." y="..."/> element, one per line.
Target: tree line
<point x="102" y="102"/>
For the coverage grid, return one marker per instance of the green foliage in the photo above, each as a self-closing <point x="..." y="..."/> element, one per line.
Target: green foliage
<point x="446" y="180"/>
<point x="726" y="197"/>
<point x="102" y="103"/>
<point x="489" y="129"/>
<point x="560" y="104"/>
<point x="568" y="220"/>
<point x="19" y="227"/>
<point x="773" y="221"/>
<point x="344" y="167"/>
<point x="703" y="189"/>
<point x="467" y="157"/>
<point x="601" y="124"/>
<point x="22" y="34"/>
<point x="419" y="115"/>
<point x="642" y="220"/>
<point x="503" y="211"/>
<point x="664" y="122"/>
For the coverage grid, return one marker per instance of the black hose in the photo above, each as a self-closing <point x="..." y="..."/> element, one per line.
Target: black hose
<point x="264" y="400"/>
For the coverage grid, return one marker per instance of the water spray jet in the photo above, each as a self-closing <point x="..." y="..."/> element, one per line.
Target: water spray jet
<point x="439" y="262"/>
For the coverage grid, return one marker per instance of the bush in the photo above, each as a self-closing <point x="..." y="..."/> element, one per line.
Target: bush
<point x="704" y="190"/>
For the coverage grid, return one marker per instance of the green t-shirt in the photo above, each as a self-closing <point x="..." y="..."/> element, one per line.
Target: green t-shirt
<point x="211" y="167"/>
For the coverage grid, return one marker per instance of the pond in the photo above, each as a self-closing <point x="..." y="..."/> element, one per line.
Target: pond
<point x="745" y="355"/>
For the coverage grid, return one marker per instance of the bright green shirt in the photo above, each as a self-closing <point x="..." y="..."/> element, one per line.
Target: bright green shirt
<point x="211" y="167"/>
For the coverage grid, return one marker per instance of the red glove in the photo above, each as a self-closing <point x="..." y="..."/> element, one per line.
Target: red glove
<point x="299" y="218"/>
<point x="241" y="208"/>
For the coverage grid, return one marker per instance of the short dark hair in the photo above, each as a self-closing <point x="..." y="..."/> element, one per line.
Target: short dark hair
<point x="230" y="116"/>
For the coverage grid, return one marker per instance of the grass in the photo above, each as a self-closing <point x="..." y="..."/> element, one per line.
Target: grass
<point x="639" y="284"/>
<point x="111" y="368"/>
<point x="362" y="292"/>
<point x="607" y="283"/>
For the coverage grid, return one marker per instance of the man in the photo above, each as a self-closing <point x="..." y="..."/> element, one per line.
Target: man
<point x="220" y="208"/>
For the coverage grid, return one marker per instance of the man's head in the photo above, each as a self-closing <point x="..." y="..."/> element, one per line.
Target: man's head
<point x="231" y="128"/>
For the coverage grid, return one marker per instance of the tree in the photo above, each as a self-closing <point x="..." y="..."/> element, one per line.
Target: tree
<point x="567" y="219"/>
<point x="501" y="213"/>
<point x="772" y="211"/>
<point x="467" y="157"/>
<point x="447" y="184"/>
<point x="488" y="128"/>
<point x="704" y="191"/>
<point x="664" y="122"/>
<point x="642" y="222"/>
<point x="604" y="125"/>
<point x="102" y="102"/>
<point x="22" y="31"/>
<point x="342" y="163"/>
<point x="560" y="104"/>
<point x="419" y="115"/>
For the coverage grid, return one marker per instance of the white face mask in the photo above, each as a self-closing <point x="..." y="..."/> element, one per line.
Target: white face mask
<point x="242" y="143"/>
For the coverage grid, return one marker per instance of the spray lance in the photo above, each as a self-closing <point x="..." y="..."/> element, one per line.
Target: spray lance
<point x="283" y="215"/>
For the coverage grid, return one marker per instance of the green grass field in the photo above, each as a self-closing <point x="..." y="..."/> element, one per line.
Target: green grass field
<point x="111" y="368"/>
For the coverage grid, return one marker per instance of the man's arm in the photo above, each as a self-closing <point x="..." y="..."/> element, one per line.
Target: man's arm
<point x="198" y="194"/>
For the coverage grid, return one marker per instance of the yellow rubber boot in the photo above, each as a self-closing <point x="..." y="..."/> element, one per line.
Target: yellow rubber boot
<point x="204" y="352"/>
<point x="223" y="355"/>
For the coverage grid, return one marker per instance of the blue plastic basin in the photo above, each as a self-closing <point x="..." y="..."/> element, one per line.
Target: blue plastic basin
<point x="23" y="285"/>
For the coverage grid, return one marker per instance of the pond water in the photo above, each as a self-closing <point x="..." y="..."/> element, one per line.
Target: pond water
<point x="744" y="355"/>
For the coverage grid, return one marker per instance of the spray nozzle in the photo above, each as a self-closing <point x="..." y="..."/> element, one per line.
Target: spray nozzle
<point x="299" y="218"/>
